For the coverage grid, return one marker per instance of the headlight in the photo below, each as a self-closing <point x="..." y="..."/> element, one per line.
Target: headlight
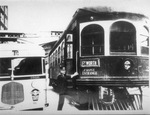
<point x="127" y="65"/>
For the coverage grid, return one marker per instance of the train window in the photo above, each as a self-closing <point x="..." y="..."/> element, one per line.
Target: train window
<point x="92" y="40"/>
<point x="27" y="66"/>
<point x="56" y="56"/>
<point x="62" y="51"/>
<point x="123" y="37"/>
<point x="69" y="38"/>
<point x="69" y="51"/>
<point x="50" y="60"/>
<point x="59" y="55"/>
<point x="5" y="66"/>
<point x="144" y="40"/>
<point x="53" y="59"/>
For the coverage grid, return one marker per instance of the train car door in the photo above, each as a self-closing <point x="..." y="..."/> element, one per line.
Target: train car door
<point x="69" y="54"/>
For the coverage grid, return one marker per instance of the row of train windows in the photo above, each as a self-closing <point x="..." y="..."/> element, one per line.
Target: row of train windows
<point x="122" y="39"/>
<point x="58" y="55"/>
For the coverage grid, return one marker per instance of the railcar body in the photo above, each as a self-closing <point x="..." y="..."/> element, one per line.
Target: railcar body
<point x="22" y="74"/>
<point x="108" y="50"/>
<point x="105" y="47"/>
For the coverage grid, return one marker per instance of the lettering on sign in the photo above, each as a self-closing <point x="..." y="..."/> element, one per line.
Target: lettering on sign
<point x="90" y="63"/>
<point x="15" y="52"/>
<point x="89" y="72"/>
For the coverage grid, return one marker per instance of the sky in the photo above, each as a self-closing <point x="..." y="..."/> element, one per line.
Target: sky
<point x="32" y="16"/>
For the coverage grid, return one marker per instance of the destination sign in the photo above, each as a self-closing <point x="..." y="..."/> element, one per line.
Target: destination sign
<point x="90" y="63"/>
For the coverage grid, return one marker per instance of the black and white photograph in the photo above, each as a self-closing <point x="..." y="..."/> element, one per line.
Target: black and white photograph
<point x="74" y="57"/>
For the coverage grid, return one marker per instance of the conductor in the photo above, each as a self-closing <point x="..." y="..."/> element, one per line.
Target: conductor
<point x="62" y="81"/>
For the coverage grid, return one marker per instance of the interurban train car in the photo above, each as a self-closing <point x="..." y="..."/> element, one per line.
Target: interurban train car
<point x="22" y="74"/>
<point x="107" y="49"/>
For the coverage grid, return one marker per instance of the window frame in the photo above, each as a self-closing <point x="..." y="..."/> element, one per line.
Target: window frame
<point x="101" y="33"/>
<point x="117" y="23"/>
<point x="144" y="48"/>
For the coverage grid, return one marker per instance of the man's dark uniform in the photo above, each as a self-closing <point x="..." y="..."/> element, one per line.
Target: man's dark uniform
<point x="62" y="81"/>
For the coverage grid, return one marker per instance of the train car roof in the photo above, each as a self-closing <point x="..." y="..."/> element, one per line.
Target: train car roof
<point x="109" y="11"/>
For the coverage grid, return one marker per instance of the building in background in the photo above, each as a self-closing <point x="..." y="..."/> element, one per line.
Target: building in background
<point x="3" y="17"/>
<point x="56" y="33"/>
<point x="53" y="37"/>
<point x="48" y="46"/>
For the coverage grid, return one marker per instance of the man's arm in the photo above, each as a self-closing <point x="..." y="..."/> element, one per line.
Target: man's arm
<point x="75" y="74"/>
